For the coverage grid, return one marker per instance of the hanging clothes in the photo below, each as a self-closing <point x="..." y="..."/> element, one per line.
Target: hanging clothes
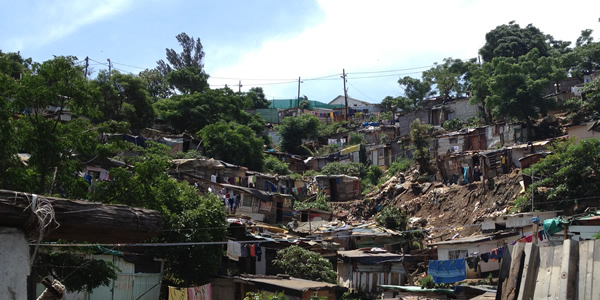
<point x="447" y="271"/>
<point x="234" y="250"/>
<point x="203" y="292"/>
<point x="497" y="253"/>
<point x="473" y="262"/>
<point x="485" y="257"/>
<point x="258" y="251"/>
<point x="176" y="293"/>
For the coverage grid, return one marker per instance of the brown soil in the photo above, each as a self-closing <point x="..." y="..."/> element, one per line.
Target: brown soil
<point x="432" y="205"/>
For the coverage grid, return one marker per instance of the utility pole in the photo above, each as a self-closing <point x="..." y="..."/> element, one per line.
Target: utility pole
<point x="240" y="86"/>
<point x="109" y="68"/>
<point x="532" y="194"/>
<point x="345" y="92"/>
<point x="87" y="64"/>
<point x="298" y="104"/>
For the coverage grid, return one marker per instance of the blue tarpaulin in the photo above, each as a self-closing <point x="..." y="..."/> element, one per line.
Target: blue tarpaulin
<point x="447" y="271"/>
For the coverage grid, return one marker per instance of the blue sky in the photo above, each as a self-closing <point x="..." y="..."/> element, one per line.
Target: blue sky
<point x="271" y="43"/>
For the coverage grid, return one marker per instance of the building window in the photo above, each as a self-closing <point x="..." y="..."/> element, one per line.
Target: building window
<point x="453" y="141"/>
<point x="456" y="254"/>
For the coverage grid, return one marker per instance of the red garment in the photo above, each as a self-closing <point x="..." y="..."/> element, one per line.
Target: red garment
<point x="529" y="238"/>
<point x="252" y="251"/>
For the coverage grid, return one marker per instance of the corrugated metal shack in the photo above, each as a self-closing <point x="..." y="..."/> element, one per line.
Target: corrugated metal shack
<point x="339" y="188"/>
<point x="364" y="269"/>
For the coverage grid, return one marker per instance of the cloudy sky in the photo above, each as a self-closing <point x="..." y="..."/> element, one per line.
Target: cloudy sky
<point x="270" y="43"/>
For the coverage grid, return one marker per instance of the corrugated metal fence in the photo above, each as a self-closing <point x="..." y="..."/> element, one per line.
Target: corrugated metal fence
<point x="567" y="271"/>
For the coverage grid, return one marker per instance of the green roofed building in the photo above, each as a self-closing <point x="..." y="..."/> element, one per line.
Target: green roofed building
<point x="291" y="103"/>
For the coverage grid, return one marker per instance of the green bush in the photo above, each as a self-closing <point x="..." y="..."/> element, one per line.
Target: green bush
<point x="373" y="174"/>
<point x="273" y="165"/>
<point x="319" y="203"/>
<point x="392" y="218"/>
<point x="400" y="165"/>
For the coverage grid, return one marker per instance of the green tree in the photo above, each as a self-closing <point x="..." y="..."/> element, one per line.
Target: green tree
<point x="585" y="57"/>
<point x="257" y="96"/>
<point x="320" y="202"/>
<point x="185" y="71"/>
<point x="13" y="65"/>
<point x="147" y="184"/>
<point x="515" y="87"/>
<point x="156" y="84"/>
<point x="510" y="40"/>
<point x="570" y="172"/>
<point x="392" y="218"/>
<point x="88" y="273"/>
<point x="355" y="138"/>
<point x="416" y="90"/>
<point x="448" y="77"/>
<point x="304" y="104"/>
<point x="273" y="165"/>
<point x="295" y="129"/>
<point x="233" y="143"/>
<point x="305" y="264"/>
<point x="58" y="83"/>
<point x="419" y="135"/>
<point x="192" y="112"/>
<point x="124" y="98"/>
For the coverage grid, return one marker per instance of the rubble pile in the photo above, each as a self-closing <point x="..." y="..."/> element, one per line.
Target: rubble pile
<point x="436" y="205"/>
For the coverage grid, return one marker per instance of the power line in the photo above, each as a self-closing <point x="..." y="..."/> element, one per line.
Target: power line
<point x="360" y="91"/>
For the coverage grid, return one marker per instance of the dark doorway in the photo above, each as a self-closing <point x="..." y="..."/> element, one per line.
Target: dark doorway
<point x="333" y="188"/>
<point x="279" y="213"/>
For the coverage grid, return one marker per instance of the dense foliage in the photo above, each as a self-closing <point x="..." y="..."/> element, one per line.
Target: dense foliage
<point x="299" y="262"/>
<point x="392" y="218"/>
<point x="233" y="143"/>
<point x="293" y="130"/>
<point x="569" y="173"/>
<point x="320" y="202"/>
<point x="77" y="273"/>
<point x="273" y="165"/>
<point x="148" y="185"/>
<point x="419" y="134"/>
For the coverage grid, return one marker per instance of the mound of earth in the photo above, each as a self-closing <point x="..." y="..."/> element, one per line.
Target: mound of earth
<point x="433" y="205"/>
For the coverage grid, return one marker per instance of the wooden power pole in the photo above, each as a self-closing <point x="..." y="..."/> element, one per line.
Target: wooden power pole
<point x="345" y="92"/>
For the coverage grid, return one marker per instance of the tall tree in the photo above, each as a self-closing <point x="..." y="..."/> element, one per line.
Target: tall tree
<point x="416" y="90"/>
<point x="419" y="135"/>
<point x="510" y="40"/>
<point x="185" y="70"/>
<point x="188" y="217"/>
<point x="449" y="77"/>
<point x="191" y="112"/>
<point x="156" y="84"/>
<point x="124" y="98"/>
<point x="570" y="172"/>
<point x="61" y="84"/>
<point x="233" y="143"/>
<point x="295" y="129"/>
<point x="515" y="87"/>
<point x="258" y="98"/>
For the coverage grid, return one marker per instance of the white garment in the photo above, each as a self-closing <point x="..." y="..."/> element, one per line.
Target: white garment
<point x="213" y="178"/>
<point x="234" y="250"/>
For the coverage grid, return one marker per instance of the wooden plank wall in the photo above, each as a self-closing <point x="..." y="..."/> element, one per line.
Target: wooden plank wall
<point x="570" y="270"/>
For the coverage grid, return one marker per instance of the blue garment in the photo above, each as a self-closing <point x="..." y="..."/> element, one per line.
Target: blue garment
<point x="447" y="271"/>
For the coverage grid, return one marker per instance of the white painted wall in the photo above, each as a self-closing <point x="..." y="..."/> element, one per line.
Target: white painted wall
<point x="14" y="264"/>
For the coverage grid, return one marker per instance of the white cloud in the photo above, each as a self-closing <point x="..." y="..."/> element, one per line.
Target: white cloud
<point x="388" y="35"/>
<point x="50" y="21"/>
